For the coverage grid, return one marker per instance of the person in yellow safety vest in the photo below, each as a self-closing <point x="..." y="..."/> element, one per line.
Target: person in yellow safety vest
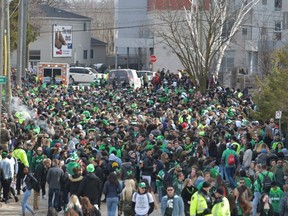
<point x="201" y="201"/>
<point x="221" y="205"/>
<point x="20" y="155"/>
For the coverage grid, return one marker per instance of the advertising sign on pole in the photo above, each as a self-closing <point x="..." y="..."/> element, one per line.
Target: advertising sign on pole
<point x="62" y="41"/>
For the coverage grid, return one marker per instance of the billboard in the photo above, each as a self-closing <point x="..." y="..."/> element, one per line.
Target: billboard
<point x="62" y="41"/>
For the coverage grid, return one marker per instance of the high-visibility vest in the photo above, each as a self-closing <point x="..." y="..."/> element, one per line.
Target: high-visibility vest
<point x="221" y="208"/>
<point x="198" y="204"/>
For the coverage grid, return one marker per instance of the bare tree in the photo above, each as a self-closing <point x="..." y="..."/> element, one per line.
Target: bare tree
<point x="200" y="36"/>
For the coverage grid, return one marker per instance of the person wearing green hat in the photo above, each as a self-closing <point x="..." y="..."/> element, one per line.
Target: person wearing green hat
<point x="90" y="186"/>
<point x="143" y="200"/>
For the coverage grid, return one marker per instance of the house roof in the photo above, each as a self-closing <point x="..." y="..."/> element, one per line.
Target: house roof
<point x="52" y="12"/>
<point x="95" y="41"/>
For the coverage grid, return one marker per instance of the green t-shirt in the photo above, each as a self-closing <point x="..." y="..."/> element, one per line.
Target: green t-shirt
<point x="225" y="156"/>
<point x="261" y="178"/>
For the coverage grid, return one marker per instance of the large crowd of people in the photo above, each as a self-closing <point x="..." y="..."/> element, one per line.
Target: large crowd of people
<point x="164" y="146"/>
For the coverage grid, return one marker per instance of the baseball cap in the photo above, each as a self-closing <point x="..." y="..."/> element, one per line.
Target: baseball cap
<point x="220" y="191"/>
<point x="206" y="184"/>
<point x="4" y="153"/>
<point x="142" y="185"/>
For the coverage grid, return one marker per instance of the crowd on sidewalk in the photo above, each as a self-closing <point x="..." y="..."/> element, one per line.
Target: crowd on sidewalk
<point x="165" y="146"/>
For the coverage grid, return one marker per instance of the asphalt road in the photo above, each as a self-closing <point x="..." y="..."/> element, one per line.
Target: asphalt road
<point x="14" y="209"/>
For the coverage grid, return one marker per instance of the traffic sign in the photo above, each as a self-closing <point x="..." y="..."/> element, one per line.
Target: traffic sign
<point x="278" y="114"/>
<point x="153" y="58"/>
<point x="2" y="80"/>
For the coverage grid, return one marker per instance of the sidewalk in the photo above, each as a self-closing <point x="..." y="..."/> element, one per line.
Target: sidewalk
<point x="14" y="209"/>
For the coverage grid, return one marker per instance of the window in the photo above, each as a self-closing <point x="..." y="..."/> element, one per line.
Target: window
<point x="264" y="2"/>
<point x="244" y="31"/>
<point x="277" y="30"/>
<point x="85" y="54"/>
<point x="34" y="54"/>
<point x="85" y="27"/>
<point x="91" y="53"/>
<point x="264" y="33"/>
<point x="278" y="5"/>
<point x="227" y="26"/>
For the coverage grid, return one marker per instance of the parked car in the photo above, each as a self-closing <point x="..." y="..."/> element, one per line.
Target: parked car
<point x="124" y="76"/>
<point x="100" y="67"/>
<point x="82" y="75"/>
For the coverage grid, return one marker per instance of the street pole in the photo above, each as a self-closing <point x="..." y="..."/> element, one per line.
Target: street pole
<point x="20" y="43"/>
<point x="8" y="69"/>
<point x="24" y="44"/>
<point x="2" y="27"/>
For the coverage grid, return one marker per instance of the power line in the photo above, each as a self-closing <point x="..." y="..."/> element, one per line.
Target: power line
<point x="16" y="8"/>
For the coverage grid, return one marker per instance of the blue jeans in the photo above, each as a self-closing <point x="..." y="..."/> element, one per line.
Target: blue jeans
<point x="24" y="203"/>
<point x="112" y="205"/>
<point x="230" y="171"/>
<point x="257" y="196"/>
<point x="56" y="202"/>
<point x="222" y="171"/>
<point x="160" y="195"/>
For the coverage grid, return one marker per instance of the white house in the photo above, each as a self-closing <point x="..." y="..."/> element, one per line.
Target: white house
<point x="64" y="37"/>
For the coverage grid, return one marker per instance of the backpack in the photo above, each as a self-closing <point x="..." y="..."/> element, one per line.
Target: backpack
<point x="127" y="172"/>
<point x="126" y="205"/>
<point x="113" y="166"/>
<point x="231" y="159"/>
<point x="266" y="183"/>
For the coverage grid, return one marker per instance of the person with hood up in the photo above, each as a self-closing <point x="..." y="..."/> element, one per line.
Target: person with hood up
<point x="114" y="163"/>
<point x="275" y="196"/>
<point x="90" y="186"/>
<point x="127" y="170"/>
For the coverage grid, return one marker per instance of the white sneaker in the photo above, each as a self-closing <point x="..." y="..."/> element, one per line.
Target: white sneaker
<point x="44" y="197"/>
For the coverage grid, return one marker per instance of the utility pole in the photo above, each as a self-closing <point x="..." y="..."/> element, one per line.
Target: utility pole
<point x="20" y="43"/>
<point x="22" y="37"/>
<point x="8" y="69"/>
<point x="2" y="26"/>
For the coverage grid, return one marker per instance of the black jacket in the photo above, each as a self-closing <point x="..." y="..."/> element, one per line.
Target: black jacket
<point x="29" y="181"/>
<point x="73" y="184"/>
<point x="90" y="187"/>
<point x="148" y="166"/>
<point x="41" y="173"/>
<point x="220" y="151"/>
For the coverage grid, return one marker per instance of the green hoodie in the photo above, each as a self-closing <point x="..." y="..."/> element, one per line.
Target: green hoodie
<point x="275" y="196"/>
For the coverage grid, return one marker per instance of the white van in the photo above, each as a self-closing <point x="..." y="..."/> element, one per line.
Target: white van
<point x="82" y="75"/>
<point x="149" y="74"/>
<point x="124" y="75"/>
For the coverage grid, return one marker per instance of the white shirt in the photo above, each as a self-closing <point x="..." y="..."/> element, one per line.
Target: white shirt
<point x="142" y="202"/>
<point x="14" y="165"/>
